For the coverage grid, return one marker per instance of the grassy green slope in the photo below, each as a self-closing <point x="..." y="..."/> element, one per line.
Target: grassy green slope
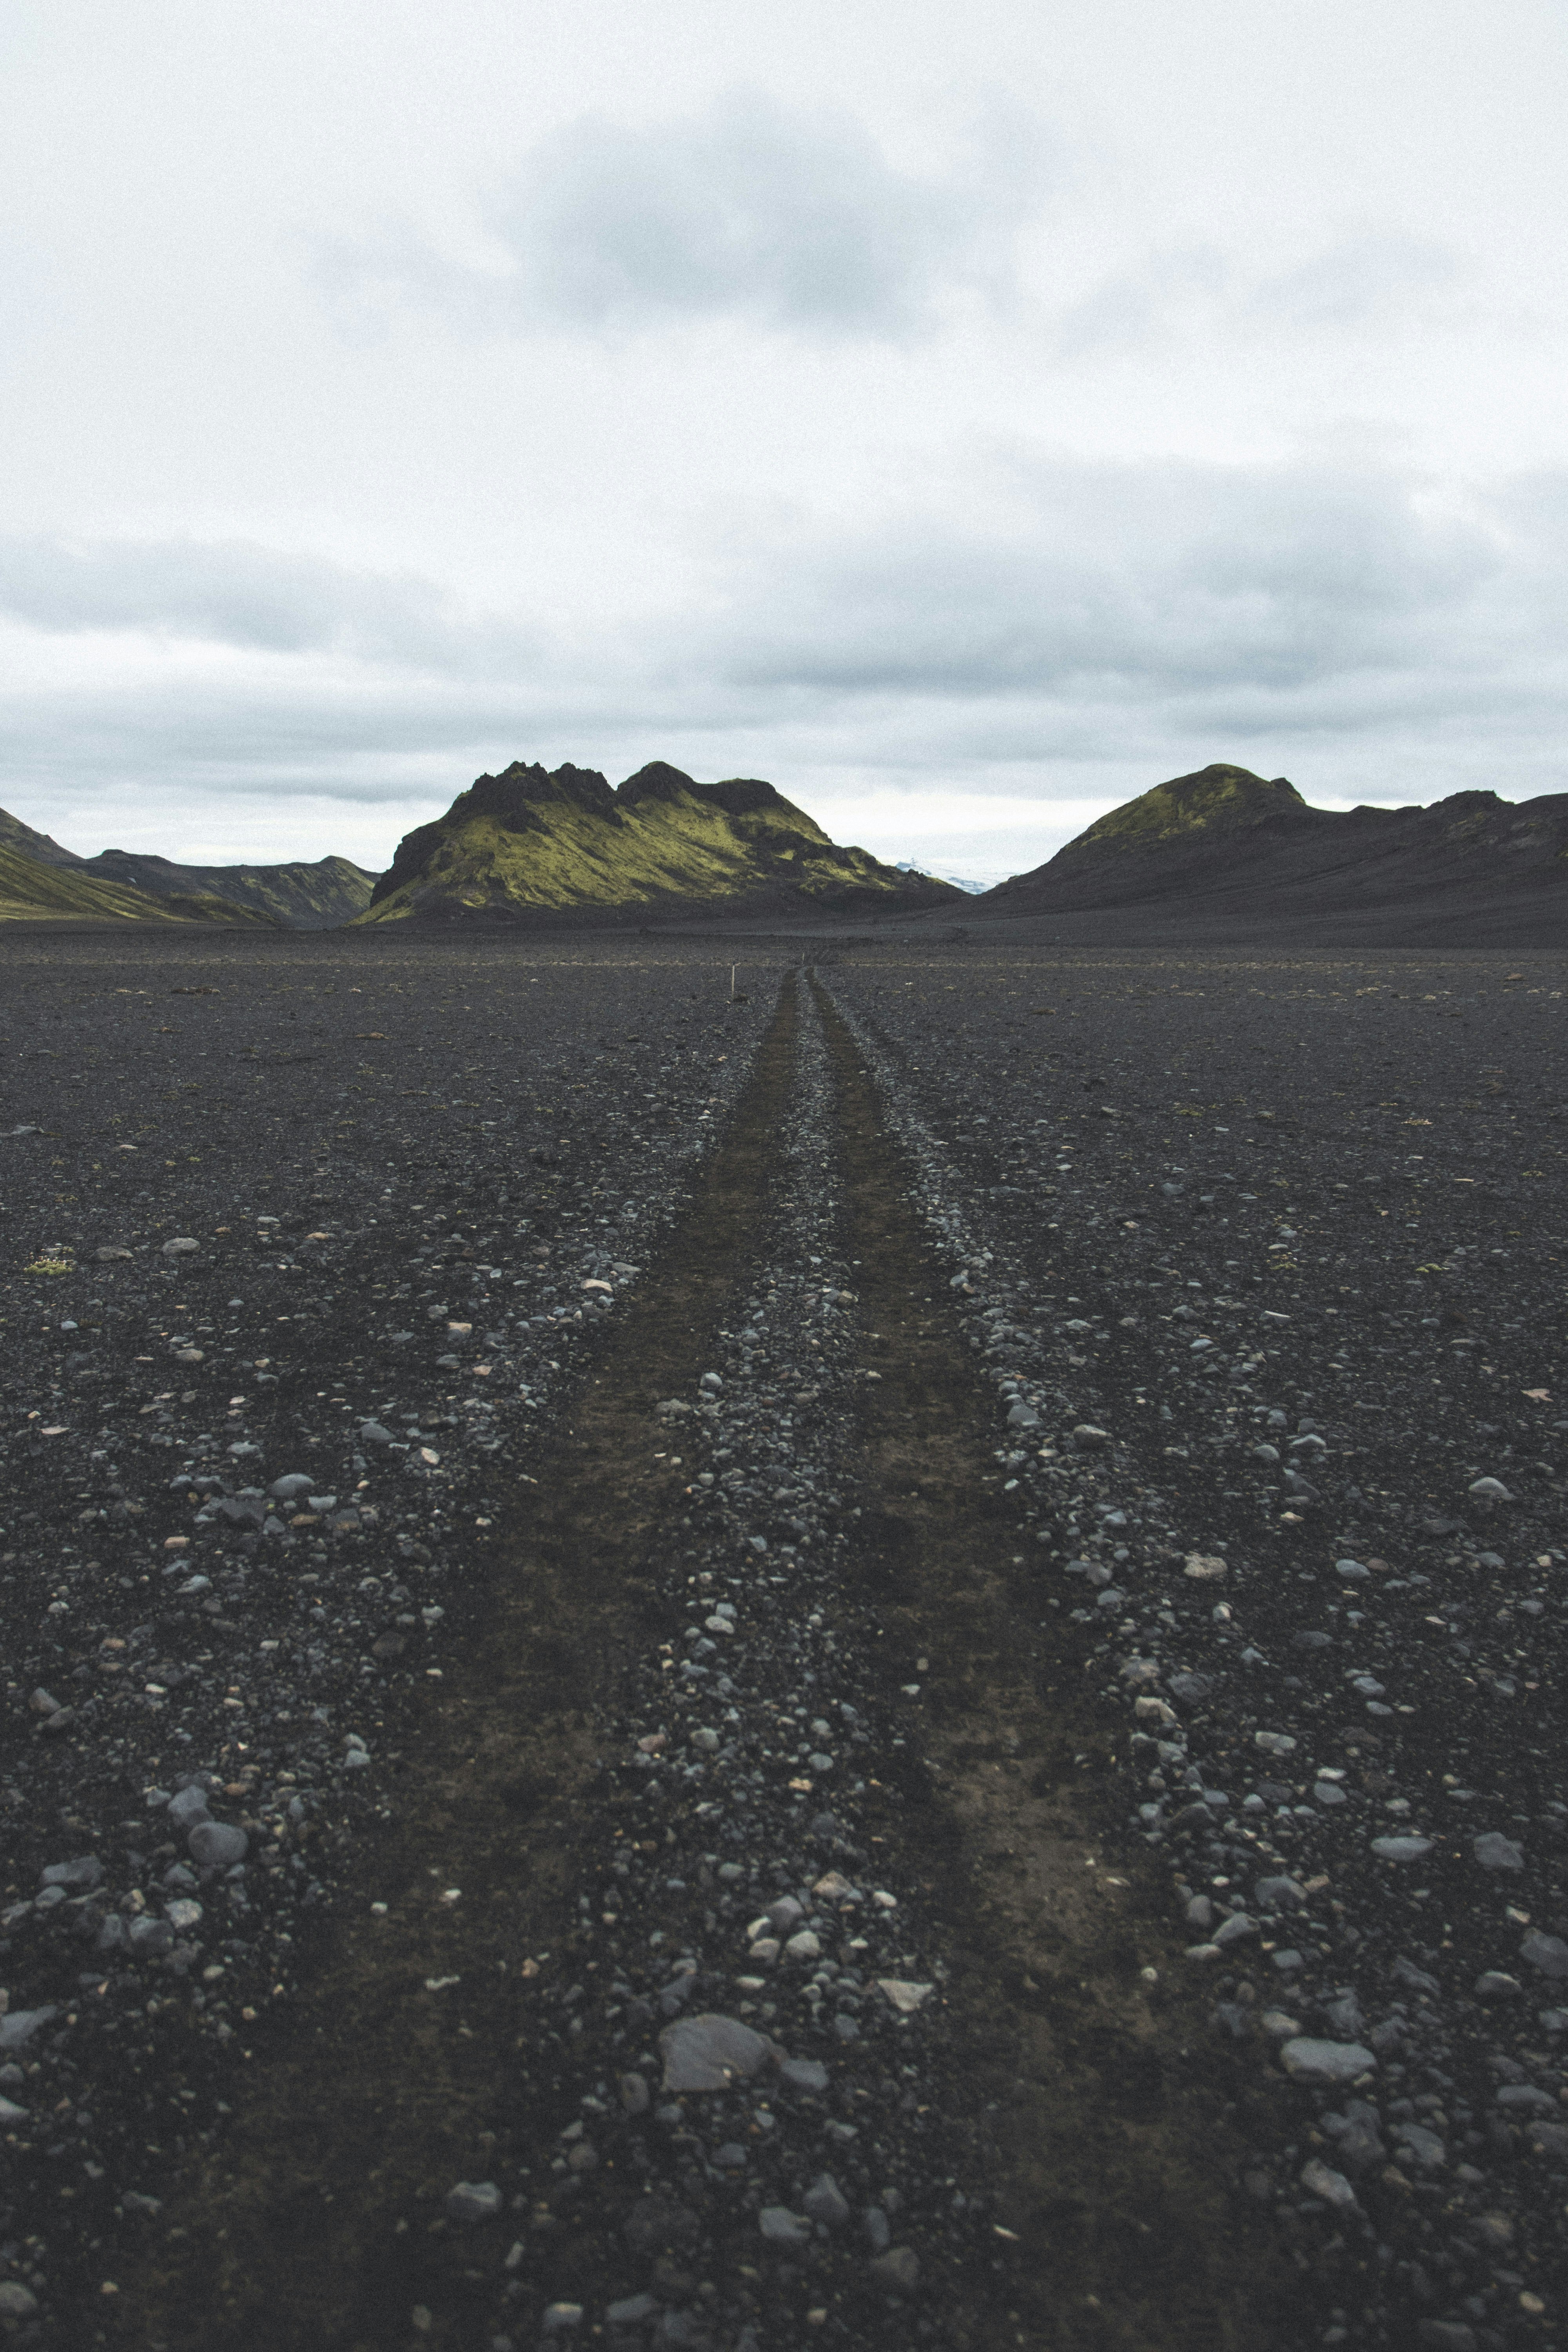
<point x="31" y="892"/>
<point x="14" y="834"/>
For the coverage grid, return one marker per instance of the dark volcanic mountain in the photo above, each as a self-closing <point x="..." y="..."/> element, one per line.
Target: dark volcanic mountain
<point x="529" y="843"/>
<point x="305" y="897"/>
<point x="1223" y="852"/>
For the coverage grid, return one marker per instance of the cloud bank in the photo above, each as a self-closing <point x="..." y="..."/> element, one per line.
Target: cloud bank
<point x="1039" y="622"/>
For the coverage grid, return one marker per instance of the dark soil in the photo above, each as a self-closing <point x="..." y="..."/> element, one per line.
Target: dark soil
<point x="1022" y="1284"/>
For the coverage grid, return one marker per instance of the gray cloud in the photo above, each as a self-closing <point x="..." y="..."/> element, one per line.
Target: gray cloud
<point x="239" y="594"/>
<point x="1148" y="583"/>
<point x="792" y="220"/>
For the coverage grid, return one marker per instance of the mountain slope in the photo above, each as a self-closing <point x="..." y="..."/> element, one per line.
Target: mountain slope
<point x="530" y="844"/>
<point x="31" y="891"/>
<point x="307" y="897"/>
<point x="1225" y="853"/>
<point x="14" y="834"/>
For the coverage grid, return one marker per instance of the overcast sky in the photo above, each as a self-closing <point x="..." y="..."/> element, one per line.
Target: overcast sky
<point x="964" y="418"/>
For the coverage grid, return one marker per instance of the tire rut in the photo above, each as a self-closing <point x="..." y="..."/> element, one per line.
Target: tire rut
<point x="1107" y="2123"/>
<point x="311" y="2224"/>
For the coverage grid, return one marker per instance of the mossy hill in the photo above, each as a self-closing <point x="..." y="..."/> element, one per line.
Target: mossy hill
<point x="1225" y="854"/>
<point x="303" y="897"/>
<point x="531" y="844"/>
<point x="32" y="891"/>
<point x="1212" y="801"/>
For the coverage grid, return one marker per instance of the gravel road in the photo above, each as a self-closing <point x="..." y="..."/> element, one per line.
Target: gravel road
<point x="872" y="1662"/>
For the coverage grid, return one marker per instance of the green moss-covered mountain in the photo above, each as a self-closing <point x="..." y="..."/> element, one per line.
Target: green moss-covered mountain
<point x="34" y="891"/>
<point x="531" y="843"/>
<point x="302" y="897"/>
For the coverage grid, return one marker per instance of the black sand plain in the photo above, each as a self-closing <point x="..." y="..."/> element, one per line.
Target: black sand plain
<point x="985" y="1514"/>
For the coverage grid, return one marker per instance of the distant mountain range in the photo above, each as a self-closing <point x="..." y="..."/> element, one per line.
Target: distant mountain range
<point x="1221" y="855"/>
<point x="1226" y="855"/>
<point x="532" y="845"/>
<point x="39" y="878"/>
<point x="972" y="890"/>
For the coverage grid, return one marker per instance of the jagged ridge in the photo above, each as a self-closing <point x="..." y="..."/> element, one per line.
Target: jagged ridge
<point x="533" y="842"/>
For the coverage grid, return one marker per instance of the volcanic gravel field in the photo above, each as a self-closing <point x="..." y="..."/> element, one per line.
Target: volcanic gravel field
<point x="872" y="1663"/>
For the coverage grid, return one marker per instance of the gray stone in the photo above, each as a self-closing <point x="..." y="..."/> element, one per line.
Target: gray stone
<point x="1323" y="2181"/>
<point x="1326" y="2061"/>
<point x="79" y="1876"/>
<point x="631" y="2310"/>
<point x="1401" y="1849"/>
<point x="1495" y="1852"/>
<point x="15" y="2301"/>
<point x="803" y="2074"/>
<point x="899" y="2267"/>
<point x="1235" y="1929"/>
<point x="783" y="2228"/>
<point x="18" y="2028"/>
<point x="373" y="1433"/>
<point x="1547" y="1953"/>
<point x="1327" y="1793"/>
<point x="825" y="2201"/>
<point x="876" y="2228"/>
<point x="474" y="2200"/>
<point x="561" y="2318"/>
<point x="285" y="1490"/>
<point x="1189" y="1688"/>
<point x="218" y="1844"/>
<point x="710" y="2052"/>
<point x="634" y="2095"/>
<point x="188" y="1806"/>
<point x="1445" y="2336"/>
<point x="1496" y="1984"/>
<point x="1279" y="1894"/>
<point x="1418" y="2146"/>
<point x="1525" y="2098"/>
